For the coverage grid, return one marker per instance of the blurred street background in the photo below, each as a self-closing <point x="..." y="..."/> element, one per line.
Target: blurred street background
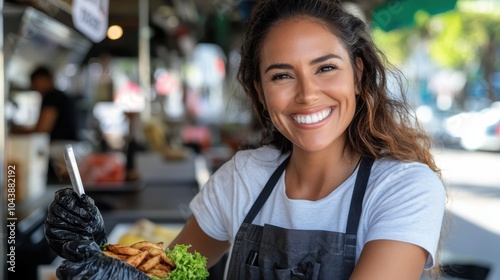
<point x="451" y="62"/>
<point x="472" y="226"/>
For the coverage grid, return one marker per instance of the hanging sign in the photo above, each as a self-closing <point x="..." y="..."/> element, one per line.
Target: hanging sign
<point x="91" y="18"/>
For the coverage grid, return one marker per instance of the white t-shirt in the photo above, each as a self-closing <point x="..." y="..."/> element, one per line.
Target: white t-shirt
<point x="403" y="202"/>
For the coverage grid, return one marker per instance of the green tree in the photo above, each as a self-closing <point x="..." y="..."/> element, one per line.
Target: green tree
<point x="458" y="39"/>
<point x="467" y="41"/>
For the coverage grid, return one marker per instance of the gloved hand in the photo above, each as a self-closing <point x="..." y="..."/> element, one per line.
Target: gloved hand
<point x="71" y="218"/>
<point x="86" y="261"/>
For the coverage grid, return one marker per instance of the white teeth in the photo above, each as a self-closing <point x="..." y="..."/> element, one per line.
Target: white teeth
<point x="313" y="118"/>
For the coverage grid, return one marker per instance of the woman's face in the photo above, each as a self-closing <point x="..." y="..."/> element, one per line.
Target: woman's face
<point x="307" y="84"/>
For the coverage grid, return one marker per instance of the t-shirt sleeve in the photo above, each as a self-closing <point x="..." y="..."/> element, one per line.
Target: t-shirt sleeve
<point x="52" y="100"/>
<point x="211" y="205"/>
<point x="408" y="206"/>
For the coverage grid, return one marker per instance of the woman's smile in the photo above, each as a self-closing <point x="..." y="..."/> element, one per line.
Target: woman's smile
<point x="312" y="118"/>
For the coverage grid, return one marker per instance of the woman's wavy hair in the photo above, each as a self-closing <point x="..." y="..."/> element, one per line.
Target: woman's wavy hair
<point x="383" y="125"/>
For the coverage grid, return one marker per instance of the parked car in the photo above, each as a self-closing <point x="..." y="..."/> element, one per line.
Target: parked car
<point x="476" y="130"/>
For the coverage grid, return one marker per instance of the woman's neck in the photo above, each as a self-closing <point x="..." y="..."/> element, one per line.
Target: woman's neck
<point x="313" y="176"/>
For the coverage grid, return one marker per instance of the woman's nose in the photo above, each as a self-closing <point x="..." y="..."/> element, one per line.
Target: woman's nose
<point x="307" y="90"/>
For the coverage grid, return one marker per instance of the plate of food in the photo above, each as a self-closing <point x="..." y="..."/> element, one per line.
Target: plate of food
<point x="143" y="245"/>
<point x="159" y="263"/>
<point x="144" y="229"/>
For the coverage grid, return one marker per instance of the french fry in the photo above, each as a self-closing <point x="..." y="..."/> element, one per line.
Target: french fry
<point x="158" y="273"/>
<point x="164" y="267"/>
<point x="150" y="264"/>
<point x="123" y="249"/>
<point x="167" y="260"/>
<point x="114" y="255"/>
<point x="136" y="260"/>
<point x="141" y="244"/>
<point x="153" y="251"/>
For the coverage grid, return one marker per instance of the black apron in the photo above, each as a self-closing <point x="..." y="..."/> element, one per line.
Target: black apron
<point x="271" y="252"/>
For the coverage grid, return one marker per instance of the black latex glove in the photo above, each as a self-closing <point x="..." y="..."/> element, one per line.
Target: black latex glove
<point x="71" y="218"/>
<point x="88" y="262"/>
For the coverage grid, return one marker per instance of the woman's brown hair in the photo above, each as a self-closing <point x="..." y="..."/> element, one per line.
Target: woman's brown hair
<point x="383" y="125"/>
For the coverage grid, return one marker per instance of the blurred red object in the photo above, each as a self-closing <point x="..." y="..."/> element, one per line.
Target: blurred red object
<point x="105" y="167"/>
<point x="198" y="137"/>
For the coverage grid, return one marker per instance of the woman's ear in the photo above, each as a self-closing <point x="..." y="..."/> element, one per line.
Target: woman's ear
<point x="258" y="89"/>
<point x="358" y="72"/>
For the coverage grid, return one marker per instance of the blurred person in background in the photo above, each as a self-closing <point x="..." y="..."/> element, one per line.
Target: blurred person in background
<point x="57" y="116"/>
<point x="57" y="113"/>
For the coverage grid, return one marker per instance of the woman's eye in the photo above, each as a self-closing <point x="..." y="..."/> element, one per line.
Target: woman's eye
<point x="280" y="76"/>
<point x="325" y="68"/>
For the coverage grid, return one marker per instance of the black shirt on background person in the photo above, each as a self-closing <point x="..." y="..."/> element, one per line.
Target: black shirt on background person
<point x="64" y="127"/>
<point x="57" y="113"/>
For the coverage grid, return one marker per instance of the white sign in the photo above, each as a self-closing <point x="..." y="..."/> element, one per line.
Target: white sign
<point x="91" y="18"/>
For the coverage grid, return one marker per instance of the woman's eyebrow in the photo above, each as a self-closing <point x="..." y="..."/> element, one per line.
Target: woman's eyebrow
<point x="278" y="66"/>
<point x="324" y="58"/>
<point x="314" y="61"/>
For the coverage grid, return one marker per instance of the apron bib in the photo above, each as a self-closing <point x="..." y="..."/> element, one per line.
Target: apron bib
<point x="271" y="252"/>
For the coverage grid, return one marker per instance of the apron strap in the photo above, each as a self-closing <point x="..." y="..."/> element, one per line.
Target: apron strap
<point x="268" y="189"/>
<point x="358" y="194"/>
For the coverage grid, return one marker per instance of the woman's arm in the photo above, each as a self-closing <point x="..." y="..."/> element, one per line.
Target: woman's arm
<point x="208" y="247"/>
<point x="390" y="260"/>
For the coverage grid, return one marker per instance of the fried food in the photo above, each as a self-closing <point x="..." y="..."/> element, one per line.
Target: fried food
<point x="157" y="273"/>
<point x="142" y="244"/>
<point x="150" y="264"/>
<point x="148" y="257"/>
<point x="153" y="251"/>
<point x="116" y="256"/>
<point x="123" y="249"/>
<point x="136" y="260"/>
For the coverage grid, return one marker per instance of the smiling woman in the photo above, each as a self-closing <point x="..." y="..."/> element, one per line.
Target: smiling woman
<point x="344" y="185"/>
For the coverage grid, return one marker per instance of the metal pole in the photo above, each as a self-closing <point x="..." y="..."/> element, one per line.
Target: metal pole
<point x="144" y="58"/>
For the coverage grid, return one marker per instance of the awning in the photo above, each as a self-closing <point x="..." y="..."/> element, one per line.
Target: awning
<point x="395" y="14"/>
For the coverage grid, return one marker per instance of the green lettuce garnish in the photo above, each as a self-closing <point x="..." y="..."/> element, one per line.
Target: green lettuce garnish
<point x="188" y="266"/>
